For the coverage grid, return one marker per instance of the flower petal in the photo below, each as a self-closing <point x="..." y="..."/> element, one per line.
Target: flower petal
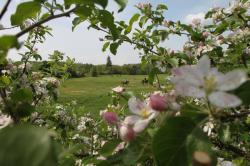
<point x="188" y="74"/>
<point x="126" y="133"/>
<point x="131" y="120"/>
<point x="204" y="65"/>
<point x="231" y="80"/>
<point x="224" y="100"/>
<point x="136" y="106"/>
<point x="141" y="125"/>
<point x="187" y="90"/>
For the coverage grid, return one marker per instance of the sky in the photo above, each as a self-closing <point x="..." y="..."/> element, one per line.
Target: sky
<point x="84" y="44"/>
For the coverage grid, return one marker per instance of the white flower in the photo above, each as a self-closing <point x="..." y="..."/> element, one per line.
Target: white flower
<point x="202" y="81"/>
<point x="5" y="72"/>
<point x="52" y="80"/>
<point x="143" y="115"/>
<point x="161" y="66"/>
<point x="5" y="120"/>
<point x="118" y="89"/>
<point x="196" y="21"/>
<point x="136" y="123"/>
<point x="208" y="128"/>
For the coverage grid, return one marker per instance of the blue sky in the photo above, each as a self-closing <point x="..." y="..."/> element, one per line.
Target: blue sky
<point x="84" y="45"/>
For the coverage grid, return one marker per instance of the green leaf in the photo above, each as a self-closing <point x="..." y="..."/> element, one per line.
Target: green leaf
<point x="151" y="76"/>
<point x="22" y="95"/>
<point x="122" y="4"/>
<point x="24" y="11"/>
<point x="25" y="145"/>
<point x="128" y="156"/>
<point x="7" y="42"/>
<point x="241" y="162"/>
<point x="177" y="140"/>
<point x="83" y="11"/>
<point x="113" y="48"/>
<point x="143" y="21"/>
<point x="77" y="21"/>
<point x="193" y="112"/>
<point x="221" y="28"/>
<point x="102" y="3"/>
<point x="243" y="93"/>
<point x="162" y="7"/>
<point x="24" y="109"/>
<point x="4" y="81"/>
<point x="134" y="18"/>
<point x="107" y="20"/>
<point x="173" y="62"/>
<point x="224" y="133"/>
<point x="105" y="46"/>
<point x="109" y="147"/>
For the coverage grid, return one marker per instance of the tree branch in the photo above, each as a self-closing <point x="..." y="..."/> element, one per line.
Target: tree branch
<point x="237" y="152"/>
<point x="4" y="9"/>
<point x="229" y="117"/>
<point x="8" y="28"/>
<point x="52" y="17"/>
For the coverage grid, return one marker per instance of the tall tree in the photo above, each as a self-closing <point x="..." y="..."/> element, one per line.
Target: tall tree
<point x="109" y="62"/>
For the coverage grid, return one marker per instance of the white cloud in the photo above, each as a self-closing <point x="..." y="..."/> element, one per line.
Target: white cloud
<point x="201" y="16"/>
<point x="190" y="17"/>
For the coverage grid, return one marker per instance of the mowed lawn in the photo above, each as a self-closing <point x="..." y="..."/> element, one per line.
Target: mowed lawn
<point x="93" y="92"/>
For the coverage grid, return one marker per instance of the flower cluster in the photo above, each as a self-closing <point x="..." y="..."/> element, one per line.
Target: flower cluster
<point x="143" y="5"/>
<point x="143" y="113"/>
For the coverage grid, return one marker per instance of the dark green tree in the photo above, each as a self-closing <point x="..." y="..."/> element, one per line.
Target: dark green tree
<point x="109" y="65"/>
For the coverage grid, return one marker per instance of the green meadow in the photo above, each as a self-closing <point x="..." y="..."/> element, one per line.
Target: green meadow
<point x="93" y="92"/>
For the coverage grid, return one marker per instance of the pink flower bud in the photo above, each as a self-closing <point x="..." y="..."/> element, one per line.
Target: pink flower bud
<point x="158" y="102"/>
<point x="127" y="133"/>
<point x="110" y="117"/>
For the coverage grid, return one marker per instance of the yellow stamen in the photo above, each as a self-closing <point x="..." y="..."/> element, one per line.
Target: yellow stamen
<point x="144" y="113"/>
<point x="210" y="83"/>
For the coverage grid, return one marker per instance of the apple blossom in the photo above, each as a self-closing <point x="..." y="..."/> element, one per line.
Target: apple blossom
<point x="143" y="5"/>
<point x="202" y="81"/>
<point x="118" y="89"/>
<point x="135" y="124"/>
<point x="143" y="115"/>
<point x="196" y="21"/>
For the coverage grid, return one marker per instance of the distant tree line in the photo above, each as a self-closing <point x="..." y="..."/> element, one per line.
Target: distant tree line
<point x="82" y="70"/>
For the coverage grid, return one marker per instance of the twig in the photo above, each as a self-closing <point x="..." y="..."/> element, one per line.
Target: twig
<point x="8" y="28"/>
<point x="52" y="17"/>
<point x="229" y="117"/>
<point x="4" y="9"/>
<point x="158" y="81"/>
<point x="235" y="150"/>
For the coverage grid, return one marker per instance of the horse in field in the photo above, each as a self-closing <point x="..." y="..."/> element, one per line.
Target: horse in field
<point x="125" y="82"/>
<point x="144" y="81"/>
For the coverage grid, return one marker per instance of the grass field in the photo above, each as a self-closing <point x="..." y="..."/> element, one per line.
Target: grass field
<point x="93" y="92"/>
